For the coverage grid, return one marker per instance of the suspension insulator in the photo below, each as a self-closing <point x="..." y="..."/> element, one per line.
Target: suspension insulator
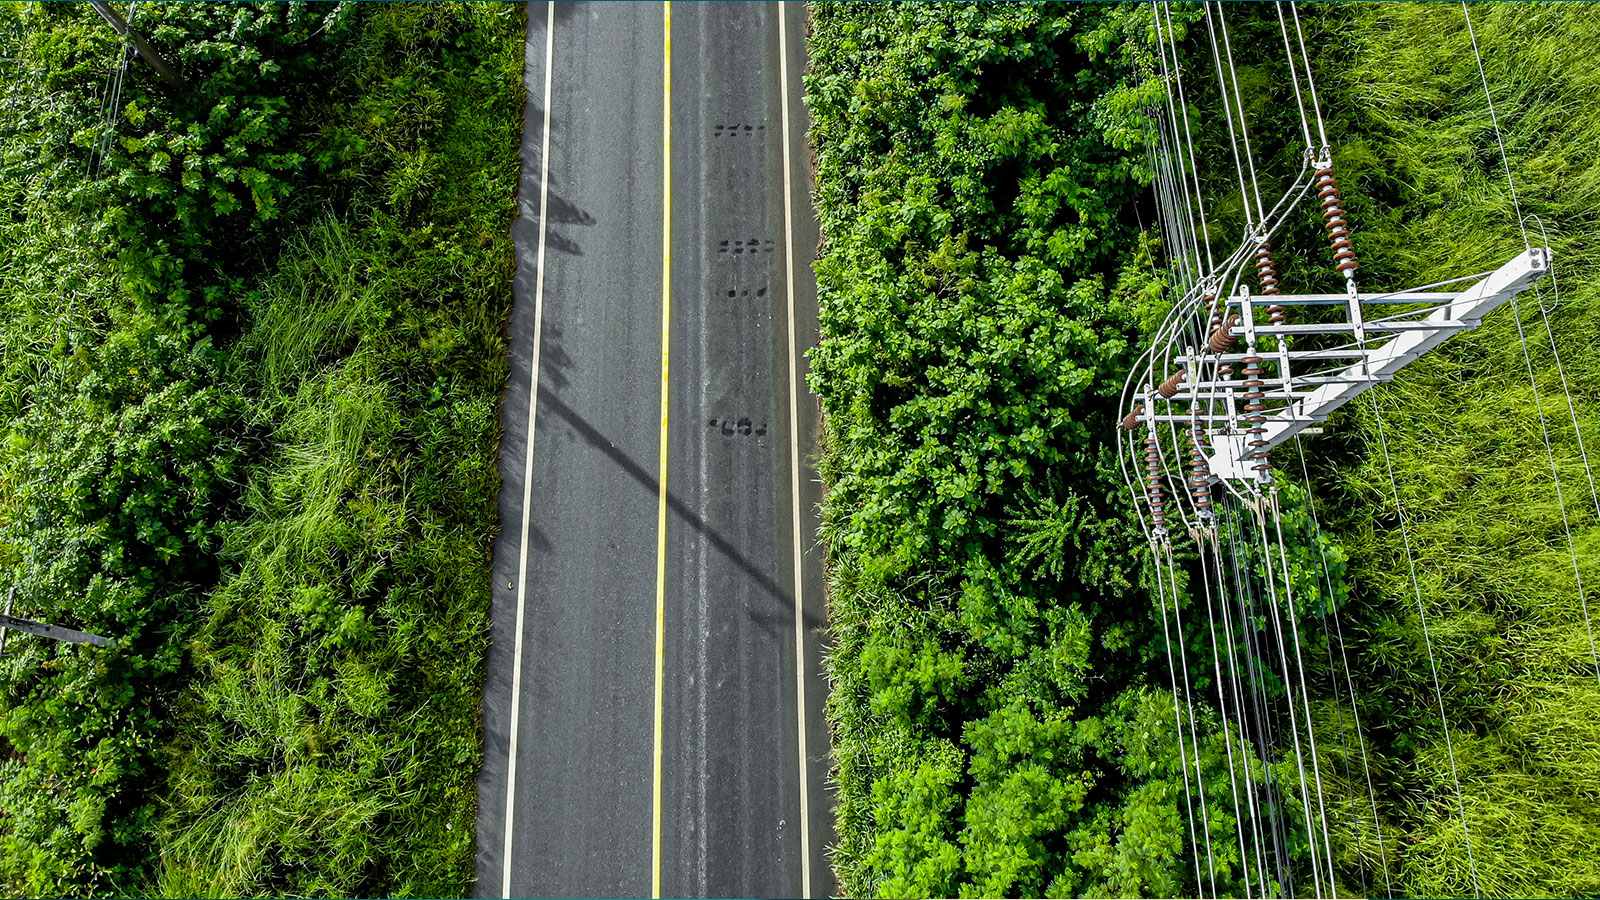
<point x="1152" y="468"/>
<point x="1344" y="256"/>
<point x="1267" y="274"/>
<point x="1169" y="388"/>
<point x="1223" y="336"/>
<point x="1253" y="408"/>
<point x="1200" y="479"/>
<point x="1131" y="420"/>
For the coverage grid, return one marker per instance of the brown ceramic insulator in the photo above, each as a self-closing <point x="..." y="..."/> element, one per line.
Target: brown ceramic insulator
<point x="1344" y="256"/>
<point x="1266" y="271"/>
<point x="1253" y="405"/>
<point x="1200" y="479"/>
<point x="1258" y="448"/>
<point x="1267" y="274"/>
<point x="1153" y="482"/>
<point x="1223" y="337"/>
<point x="1169" y="388"/>
<point x="1253" y="409"/>
<point x="1131" y="420"/>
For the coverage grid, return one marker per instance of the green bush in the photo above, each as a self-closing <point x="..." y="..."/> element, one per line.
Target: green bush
<point x="992" y="624"/>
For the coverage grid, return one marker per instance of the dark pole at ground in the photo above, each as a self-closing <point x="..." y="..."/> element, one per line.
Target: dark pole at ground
<point x="146" y="50"/>
<point x="54" y="632"/>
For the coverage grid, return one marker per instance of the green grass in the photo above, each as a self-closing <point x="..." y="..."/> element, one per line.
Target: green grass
<point x="329" y="740"/>
<point x="301" y="375"/>
<point x="1467" y="446"/>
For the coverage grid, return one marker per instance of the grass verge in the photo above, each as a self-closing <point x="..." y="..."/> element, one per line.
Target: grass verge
<point x="256" y="442"/>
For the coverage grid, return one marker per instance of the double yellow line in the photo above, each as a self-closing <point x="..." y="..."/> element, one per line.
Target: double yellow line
<point x="661" y="505"/>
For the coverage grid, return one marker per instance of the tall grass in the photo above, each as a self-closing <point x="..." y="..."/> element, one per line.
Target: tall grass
<point x="1422" y="169"/>
<point x="328" y="739"/>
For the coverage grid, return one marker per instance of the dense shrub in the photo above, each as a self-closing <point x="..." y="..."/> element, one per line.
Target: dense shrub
<point x="978" y="302"/>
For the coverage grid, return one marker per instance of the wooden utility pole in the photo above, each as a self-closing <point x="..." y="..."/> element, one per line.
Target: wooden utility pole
<point x="167" y="72"/>
<point x="55" y="632"/>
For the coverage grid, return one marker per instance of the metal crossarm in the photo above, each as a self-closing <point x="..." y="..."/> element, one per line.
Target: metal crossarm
<point x="1381" y="363"/>
<point x="1298" y="388"/>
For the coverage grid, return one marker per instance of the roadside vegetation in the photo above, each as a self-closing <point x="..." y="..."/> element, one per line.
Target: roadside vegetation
<point x="981" y="291"/>
<point x="986" y="274"/>
<point x="251" y="355"/>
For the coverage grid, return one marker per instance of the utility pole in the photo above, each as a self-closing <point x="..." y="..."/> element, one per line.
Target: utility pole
<point x="167" y="72"/>
<point x="54" y="632"/>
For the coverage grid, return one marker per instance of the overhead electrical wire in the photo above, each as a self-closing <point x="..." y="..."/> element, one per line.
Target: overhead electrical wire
<point x="1355" y="714"/>
<point x="1238" y="103"/>
<point x="1175" y="502"/>
<point x="1516" y="204"/>
<point x="1555" y="354"/>
<point x="1294" y="632"/>
<point x="1183" y="756"/>
<point x="1311" y="83"/>
<point x="1427" y="639"/>
<point x="1527" y="356"/>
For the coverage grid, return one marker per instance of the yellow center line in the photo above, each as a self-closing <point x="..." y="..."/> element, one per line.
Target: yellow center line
<point x="661" y="506"/>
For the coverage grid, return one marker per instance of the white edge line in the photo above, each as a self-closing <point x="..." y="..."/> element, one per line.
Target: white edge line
<point x="794" y="462"/>
<point x="527" y="468"/>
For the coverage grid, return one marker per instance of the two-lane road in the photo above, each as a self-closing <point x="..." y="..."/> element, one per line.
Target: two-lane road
<point x="653" y="708"/>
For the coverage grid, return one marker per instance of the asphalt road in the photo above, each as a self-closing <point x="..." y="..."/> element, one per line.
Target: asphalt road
<point x="644" y="728"/>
